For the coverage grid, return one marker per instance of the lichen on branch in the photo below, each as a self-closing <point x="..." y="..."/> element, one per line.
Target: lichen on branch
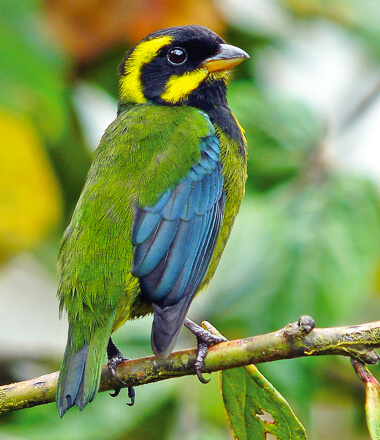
<point x="295" y="340"/>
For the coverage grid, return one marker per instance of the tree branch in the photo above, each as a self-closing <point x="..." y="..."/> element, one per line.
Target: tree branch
<point x="295" y="340"/>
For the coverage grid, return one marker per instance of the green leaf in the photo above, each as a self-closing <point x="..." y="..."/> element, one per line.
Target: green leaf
<point x="33" y="70"/>
<point x="282" y="136"/>
<point x="359" y="17"/>
<point x="310" y="247"/>
<point x="372" y="407"/>
<point x="255" y="408"/>
<point x="305" y="248"/>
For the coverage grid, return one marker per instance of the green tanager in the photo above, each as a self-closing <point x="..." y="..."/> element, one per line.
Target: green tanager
<point x="158" y="204"/>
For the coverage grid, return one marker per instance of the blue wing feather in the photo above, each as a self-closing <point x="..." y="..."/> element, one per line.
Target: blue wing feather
<point x="176" y="256"/>
<point x="174" y="241"/>
<point x="149" y="253"/>
<point x="212" y="154"/>
<point x="161" y="203"/>
<point x="193" y="202"/>
<point x="175" y="206"/>
<point x="147" y="224"/>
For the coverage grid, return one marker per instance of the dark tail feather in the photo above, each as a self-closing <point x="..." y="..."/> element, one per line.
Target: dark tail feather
<point x="80" y="372"/>
<point x="71" y="378"/>
<point x="167" y="324"/>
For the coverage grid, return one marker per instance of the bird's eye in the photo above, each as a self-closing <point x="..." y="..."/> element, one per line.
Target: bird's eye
<point x="177" y="56"/>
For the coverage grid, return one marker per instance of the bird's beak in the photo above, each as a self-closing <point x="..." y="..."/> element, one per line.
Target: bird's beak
<point x="227" y="58"/>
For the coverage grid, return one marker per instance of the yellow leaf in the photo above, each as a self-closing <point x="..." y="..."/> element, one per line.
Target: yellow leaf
<point x="30" y="202"/>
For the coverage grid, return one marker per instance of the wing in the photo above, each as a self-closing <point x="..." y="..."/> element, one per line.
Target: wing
<point x="174" y="242"/>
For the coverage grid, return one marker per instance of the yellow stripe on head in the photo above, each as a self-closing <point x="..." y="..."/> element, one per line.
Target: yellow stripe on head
<point x="131" y="89"/>
<point x="179" y="87"/>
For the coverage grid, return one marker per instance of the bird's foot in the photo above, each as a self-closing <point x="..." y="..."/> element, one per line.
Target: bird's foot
<point x="205" y="339"/>
<point x="115" y="356"/>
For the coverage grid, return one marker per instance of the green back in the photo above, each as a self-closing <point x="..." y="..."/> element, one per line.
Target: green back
<point x="146" y="150"/>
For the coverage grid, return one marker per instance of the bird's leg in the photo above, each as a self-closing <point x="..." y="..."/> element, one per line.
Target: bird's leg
<point x="115" y="356"/>
<point x="205" y="339"/>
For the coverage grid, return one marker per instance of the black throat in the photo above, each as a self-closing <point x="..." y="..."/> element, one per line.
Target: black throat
<point x="222" y="116"/>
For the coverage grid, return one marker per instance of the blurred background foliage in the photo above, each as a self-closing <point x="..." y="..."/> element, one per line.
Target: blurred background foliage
<point x="307" y="240"/>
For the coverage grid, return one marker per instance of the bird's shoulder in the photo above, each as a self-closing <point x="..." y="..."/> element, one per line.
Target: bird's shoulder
<point x="155" y="146"/>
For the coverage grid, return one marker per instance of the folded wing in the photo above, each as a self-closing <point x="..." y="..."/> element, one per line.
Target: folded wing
<point x="174" y="242"/>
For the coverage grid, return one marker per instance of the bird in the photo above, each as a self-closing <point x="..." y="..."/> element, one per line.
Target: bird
<point x="158" y="204"/>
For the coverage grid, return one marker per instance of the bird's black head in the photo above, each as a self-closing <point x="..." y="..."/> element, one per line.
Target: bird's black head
<point x="177" y="66"/>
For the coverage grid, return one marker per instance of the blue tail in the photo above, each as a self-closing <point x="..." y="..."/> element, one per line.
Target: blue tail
<point x="80" y="372"/>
